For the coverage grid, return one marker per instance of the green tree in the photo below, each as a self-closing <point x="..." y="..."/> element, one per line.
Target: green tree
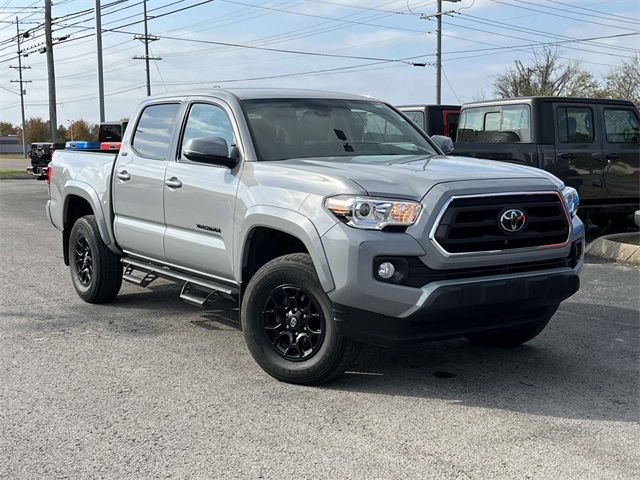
<point x="547" y="75"/>
<point x="83" y="130"/>
<point x="7" y="128"/>
<point x="37" y="130"/>
<point x="63" y="133"/>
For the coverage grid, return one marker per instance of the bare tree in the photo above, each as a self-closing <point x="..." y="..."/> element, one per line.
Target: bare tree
<point x="623" y="81"/>
<point x="548" y="75"/>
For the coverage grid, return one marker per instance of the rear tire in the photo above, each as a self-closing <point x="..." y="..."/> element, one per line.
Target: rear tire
<point x="288" y="324"/>
<point x="513" y="337"/>
<point x="96" y="271"/>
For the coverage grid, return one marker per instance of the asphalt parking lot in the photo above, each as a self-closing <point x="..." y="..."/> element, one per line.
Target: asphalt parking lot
<point x="150" y="387"/>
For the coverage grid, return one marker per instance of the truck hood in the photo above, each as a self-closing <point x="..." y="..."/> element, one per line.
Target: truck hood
<point x="413" y="176"/>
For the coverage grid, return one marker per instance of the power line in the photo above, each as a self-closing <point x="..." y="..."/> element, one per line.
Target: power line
<point x="599" y="12"/>
<point x="283" y="50"/>
<point x="405" y="60"/>
<point x="578" y="12"/>
<point x="557" y="14"/>
<point x="354" y="22"/>
<point x="505" y="26"/>
<point x="450" y="86"/>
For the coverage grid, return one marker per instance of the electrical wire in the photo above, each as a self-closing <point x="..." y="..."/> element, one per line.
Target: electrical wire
<point x="557" y="14"/>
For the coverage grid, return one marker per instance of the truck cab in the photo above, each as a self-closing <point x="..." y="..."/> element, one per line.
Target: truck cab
<point x="591" y="144"/>
<point x="434" y="119"/>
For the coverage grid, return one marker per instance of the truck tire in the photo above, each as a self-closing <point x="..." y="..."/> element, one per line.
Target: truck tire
<point x="96" y="271"/>
<point x="512" y="337"/>
<point x="288" y="324"/>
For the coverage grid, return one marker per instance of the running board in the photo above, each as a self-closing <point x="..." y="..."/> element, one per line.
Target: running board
<point x="197" y="295"/>
<point x="143" y="281"/>
<point x="151" y="271"/>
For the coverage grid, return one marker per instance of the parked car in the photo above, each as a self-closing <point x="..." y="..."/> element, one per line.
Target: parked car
<point x="40" y="154"/>
<point x="434" y="119"/>
<point x="590" y="144"/>
<point x="327" y="229"/>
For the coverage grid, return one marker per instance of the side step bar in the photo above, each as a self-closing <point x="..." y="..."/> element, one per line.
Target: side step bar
<point x="197" y="295"/>
<point x="196" y="290"/>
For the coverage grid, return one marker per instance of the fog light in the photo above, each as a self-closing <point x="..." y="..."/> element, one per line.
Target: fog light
<point x="386" y="270"/>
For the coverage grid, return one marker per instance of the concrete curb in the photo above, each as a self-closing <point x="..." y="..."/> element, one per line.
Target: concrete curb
<point x="612" y="247"/>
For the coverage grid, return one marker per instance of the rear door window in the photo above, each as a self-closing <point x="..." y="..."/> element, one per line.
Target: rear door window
<point x="495" y="124"/>
<point x="416" y="116"/>
<point x="575" y="125"/>
<point x="621" y="126"/>
<point x="152" y="138"/>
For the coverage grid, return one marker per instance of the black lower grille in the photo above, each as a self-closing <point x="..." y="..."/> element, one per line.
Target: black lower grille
<point x="471" y="224"/>
<point x="420" y="275"/>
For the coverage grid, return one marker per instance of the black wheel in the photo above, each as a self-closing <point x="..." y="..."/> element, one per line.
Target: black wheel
<point x="96" y="271"/>
<point x="288" y="324"/>
<point x="512" y="337"/>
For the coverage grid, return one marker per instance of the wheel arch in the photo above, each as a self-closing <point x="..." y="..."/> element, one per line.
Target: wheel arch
<point x="280" y="225"/>
<point x="81" y="199"/>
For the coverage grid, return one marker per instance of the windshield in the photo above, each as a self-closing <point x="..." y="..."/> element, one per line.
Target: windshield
<point x="303" y="128"/>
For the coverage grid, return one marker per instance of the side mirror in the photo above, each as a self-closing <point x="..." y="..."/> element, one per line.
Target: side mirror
<point x="212" y="150"/>
<point x="444" y="143"/>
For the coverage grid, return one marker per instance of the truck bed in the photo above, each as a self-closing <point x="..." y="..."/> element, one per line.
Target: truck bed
<point x="88" y="174"/>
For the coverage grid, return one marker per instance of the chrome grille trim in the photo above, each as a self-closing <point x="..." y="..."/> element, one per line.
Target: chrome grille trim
<point x="443" y="210"/>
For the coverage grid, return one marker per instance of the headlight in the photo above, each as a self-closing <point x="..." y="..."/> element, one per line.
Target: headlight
<point x="373" y="213"/>
<point x="572" y="199"/>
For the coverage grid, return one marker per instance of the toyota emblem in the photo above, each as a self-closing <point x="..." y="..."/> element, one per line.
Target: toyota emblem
<point x="512" y="220"/>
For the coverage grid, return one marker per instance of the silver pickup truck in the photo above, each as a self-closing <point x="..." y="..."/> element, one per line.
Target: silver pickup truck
<point x="331" y="219"/>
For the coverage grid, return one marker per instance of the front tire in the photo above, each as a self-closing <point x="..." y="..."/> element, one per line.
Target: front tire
<point x="96" y="271"/>
<point x="288" y="325"/>
<point x="515" y="336"/>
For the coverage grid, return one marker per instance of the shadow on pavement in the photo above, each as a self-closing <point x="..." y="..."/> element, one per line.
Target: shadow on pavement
<point x="578" y="368"/>
<point x="583" y="366"/>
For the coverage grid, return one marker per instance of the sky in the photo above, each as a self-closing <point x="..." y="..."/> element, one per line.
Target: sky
<point x="355" y="46"/>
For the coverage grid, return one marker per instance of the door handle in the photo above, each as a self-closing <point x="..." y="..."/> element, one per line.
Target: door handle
<point x="567" y="156"/>
<point x="173" y="182"/>
<point x="123" y="175"/>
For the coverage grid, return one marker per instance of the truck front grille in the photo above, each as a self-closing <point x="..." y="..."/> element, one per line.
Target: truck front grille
<point x="471" y="224"/>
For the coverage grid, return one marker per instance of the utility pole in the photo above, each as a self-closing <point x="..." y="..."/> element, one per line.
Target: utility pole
<point x="146" y="38"/>
<point x="99" y="57"/>
<point x="22" y="90"/>
<point x="439" y="51"/>
<point x="439" y="54"/>
<point x="51" y="75"/>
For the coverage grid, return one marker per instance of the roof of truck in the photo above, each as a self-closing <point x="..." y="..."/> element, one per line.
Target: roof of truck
<point x="429" y="105"/>
<point x="261" y="93"/>
<point x="504" y="101"/>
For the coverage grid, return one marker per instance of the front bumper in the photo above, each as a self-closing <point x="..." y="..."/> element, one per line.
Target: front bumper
<point x="383" y="313"/>
<point x="459" y="308"/>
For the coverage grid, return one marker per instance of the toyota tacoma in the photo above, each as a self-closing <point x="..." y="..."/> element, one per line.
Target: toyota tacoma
<point x="331" y="219"/>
